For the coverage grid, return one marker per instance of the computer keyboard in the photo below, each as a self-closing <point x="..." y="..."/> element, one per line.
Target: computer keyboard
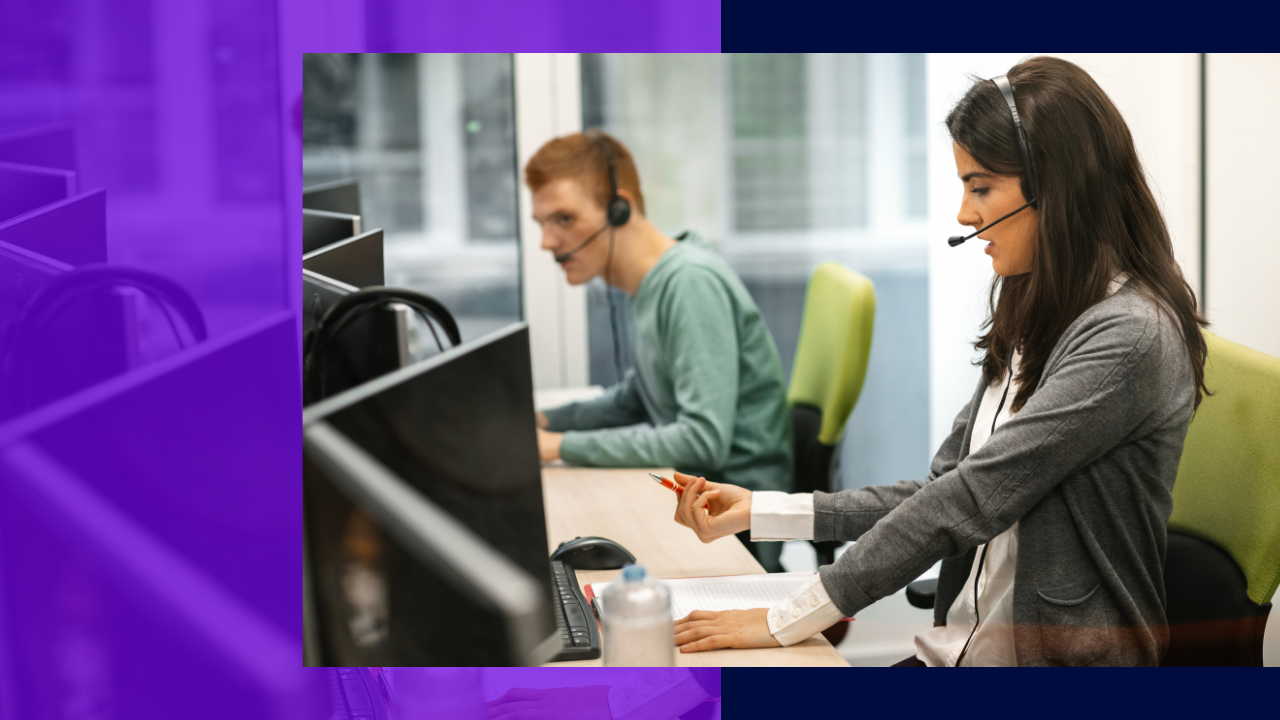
<point x="574" y="618"/>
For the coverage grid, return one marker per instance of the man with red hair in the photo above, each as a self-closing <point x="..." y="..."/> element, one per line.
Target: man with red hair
<point x="706" y="377"/>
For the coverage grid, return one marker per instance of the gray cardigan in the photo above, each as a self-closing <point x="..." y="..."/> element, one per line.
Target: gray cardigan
<point x="1086" y="467"/>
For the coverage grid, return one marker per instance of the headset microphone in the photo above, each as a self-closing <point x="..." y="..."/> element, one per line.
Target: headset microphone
<point x="955" y="240"/>
<point x="584" y="243"/>
<point x="1006" y="90"/>
<point x="618" y="210"/>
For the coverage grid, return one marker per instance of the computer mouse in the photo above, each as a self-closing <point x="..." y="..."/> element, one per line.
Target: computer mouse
<point x="592" y="553"/>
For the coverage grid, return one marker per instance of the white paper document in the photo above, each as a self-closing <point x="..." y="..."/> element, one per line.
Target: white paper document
<point x="730" y="592"/>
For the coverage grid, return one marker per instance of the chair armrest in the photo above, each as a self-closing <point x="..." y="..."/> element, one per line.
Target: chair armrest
<point x="923" y="593"/>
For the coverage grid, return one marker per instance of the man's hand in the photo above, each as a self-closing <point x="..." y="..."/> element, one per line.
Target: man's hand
<point x="549" y="445"/>
<point x="705" y="630"/>
<point x="541" y="421"/>
<point x="570" y="703"/>
<point x="712" y="510"/>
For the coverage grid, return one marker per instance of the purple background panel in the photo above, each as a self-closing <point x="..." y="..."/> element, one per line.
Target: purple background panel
<point x="150" y="489"/>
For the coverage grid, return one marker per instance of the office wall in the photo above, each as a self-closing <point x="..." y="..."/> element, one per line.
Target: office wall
<point x="548" y="105"/>
<point x="1158" y="95"/>
<point x="1242" y="184"/>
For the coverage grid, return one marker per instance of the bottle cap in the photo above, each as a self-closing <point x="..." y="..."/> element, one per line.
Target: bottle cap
<point x="633" y="573"/>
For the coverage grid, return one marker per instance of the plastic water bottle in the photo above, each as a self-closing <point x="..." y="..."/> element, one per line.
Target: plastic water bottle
<point x="638" y="630"/>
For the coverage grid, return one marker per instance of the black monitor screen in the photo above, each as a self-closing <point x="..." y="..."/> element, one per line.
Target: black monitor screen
<point x="380" y="602"/>
<point x="357" y="261"/>
<point x="342" y="196"/>
<point x="460" y="429"/>
<point x="321" y="228"/>
<point x="370" y="346"/>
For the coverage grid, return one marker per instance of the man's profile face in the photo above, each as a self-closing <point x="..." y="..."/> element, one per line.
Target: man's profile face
<point x="568" y="216"/>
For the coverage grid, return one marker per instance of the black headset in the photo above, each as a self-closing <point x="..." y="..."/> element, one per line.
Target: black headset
<point x="63" y="291"/>
<point x="341" y="314"/>
<point x="618" y="212"/>
<point x="619" y="209"/>
<point x="1002" y="82"/>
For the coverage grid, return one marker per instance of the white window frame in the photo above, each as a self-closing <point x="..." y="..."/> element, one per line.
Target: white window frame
<point x="548" y="105"/>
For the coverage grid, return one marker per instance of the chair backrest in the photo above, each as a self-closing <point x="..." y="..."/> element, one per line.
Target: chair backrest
<point x="835" y="343"/>
<point x="1228" y="485"/>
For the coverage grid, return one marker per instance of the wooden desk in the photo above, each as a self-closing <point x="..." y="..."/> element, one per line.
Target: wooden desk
<point x="629" y="507"/>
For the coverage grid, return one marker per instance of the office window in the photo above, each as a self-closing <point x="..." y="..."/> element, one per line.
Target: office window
<point x="770" y="141"/>
<point x="783" y="161"/>
<point x="431" y="137"/>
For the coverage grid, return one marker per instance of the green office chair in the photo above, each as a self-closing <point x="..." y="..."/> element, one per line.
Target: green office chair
<point x="830" y="365"/>
<point x="1223" y="562"/>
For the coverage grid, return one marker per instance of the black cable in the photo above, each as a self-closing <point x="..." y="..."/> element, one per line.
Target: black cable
<point x="977" y="618"/>
<point x="613" y="323"/>
<point x="432" y="328"/>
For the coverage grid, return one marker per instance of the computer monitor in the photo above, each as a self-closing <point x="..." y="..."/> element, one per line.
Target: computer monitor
<point x="24" y="188"/>
<point x="371" y="346"/>
<point x="340" y="196"/>
<point x="459" y="428"/>
<point x="51" y="146"/>
<point x="320" y="228"/>
<point x="356" y="261"/>
<point x="396" y="580"/>
<point x="73" y="231"/>
<point x="148" y="541"/>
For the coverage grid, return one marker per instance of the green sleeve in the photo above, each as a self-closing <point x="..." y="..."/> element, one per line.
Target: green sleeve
<point x="698" y="332"/>
<point x="620" y="405"/>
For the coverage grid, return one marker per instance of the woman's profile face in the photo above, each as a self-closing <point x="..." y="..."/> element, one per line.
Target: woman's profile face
<point x="988" y="197"/>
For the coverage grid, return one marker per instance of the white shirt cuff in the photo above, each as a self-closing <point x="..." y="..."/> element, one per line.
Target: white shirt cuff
<point x="806" y="611"/>
<point x="781" y="516"/>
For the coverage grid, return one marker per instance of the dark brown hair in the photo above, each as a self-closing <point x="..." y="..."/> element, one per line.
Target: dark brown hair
<point x="579" y="156"/>
<point x="1097" y="216"/>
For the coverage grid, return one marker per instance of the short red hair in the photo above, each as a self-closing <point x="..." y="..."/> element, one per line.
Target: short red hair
<point x="580" y="156"/>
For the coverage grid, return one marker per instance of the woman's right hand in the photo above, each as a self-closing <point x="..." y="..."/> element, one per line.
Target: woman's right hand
<point x="712" y="510"/>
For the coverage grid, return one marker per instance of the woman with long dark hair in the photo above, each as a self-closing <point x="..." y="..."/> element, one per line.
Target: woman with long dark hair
<point x="1047" y="503"/>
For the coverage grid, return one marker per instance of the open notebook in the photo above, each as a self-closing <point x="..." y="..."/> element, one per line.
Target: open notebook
<point x="728" y="592"/>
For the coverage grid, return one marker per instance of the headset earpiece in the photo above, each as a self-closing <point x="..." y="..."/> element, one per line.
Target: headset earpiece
<point x="618" y="211"/>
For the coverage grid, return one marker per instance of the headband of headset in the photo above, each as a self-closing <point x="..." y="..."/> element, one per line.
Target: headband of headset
<point x="1002" y="82"/>
<point x="347" y="310"/>
<point x="619" y="209"/>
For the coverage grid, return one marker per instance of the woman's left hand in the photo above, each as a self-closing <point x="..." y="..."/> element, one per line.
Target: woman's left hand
<point x="549" y="445"/>
<point x="706" y="630"/>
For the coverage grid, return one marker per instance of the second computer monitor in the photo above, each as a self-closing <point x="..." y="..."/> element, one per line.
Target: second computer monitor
<point x="460" y="429"/>
<point x="372" y="345"/>
<point x="357" y="261"/>
<point x="341" y="196"/>
<point x="392" y="579"/>
<point x="320" y="228"/>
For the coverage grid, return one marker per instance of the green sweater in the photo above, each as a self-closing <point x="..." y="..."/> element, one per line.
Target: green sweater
<point x="707" y="379"/>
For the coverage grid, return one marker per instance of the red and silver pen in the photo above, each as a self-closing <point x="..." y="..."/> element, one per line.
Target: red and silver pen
<point x="667" y="483"/>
